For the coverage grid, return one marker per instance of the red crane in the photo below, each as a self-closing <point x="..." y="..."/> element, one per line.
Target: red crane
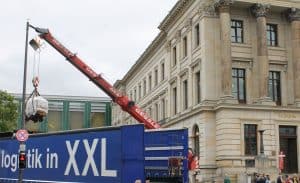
<point x="122" y="100"/>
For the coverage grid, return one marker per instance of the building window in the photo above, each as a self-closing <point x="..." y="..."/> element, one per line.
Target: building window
<point x="274" y="87"/>
<point x="156" y="112"/>
<point x="150" y="82"/>
<point x="163" y="109"/>
<point x="163" y="71"/>
<point x="174" y="96"/>
<point x="140" y="91"/>
<point x="155" y="77"/>
<point x="237" y="31"/>
<point x="135" y="94"/>
<point x="238" y="85"/>
<point x="145" y="87"/>
<point x="250" y="163"/>
<point x="150" y="112"/>
<point x="185" y="94"/>
<point x="197" y="35"/>
<point x="196" y="140"/>
<point x="250" y="136"/>
<point x="272" y="38"/>
<point x="76" y="114"/>
<point x="197" y="85"/>
<point x="185" y="51"/>
<point x="174" y="56"/>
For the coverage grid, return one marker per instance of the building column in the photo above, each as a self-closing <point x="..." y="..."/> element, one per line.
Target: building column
<point x="260" y="11"/>
<point x="226" y="61"/>
<point x="294" y="18"/>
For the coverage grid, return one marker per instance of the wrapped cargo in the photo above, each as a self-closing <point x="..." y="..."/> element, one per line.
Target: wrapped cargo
<point x="36" y="108"/>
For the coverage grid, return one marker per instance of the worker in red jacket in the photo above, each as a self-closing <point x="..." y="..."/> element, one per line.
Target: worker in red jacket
<point x="193" y="162"/>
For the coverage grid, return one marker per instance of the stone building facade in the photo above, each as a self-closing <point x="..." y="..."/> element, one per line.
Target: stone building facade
<point x="225" y="70"/>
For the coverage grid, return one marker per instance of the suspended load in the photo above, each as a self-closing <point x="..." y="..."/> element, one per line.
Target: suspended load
<point x="36" y="109"/>
<point x="36" y="105"/>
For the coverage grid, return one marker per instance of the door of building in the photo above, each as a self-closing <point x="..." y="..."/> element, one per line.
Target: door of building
<point x="288" y="145"/>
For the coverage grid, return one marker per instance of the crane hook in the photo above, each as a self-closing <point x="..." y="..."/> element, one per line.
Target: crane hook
<point x="35" y="81"/>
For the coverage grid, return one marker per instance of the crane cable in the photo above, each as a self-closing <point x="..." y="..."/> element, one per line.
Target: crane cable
<point x="35" y="77"/>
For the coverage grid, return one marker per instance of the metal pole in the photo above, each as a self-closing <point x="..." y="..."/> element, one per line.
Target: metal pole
<point x="24" y="95"/>
<point x="24" y="78"/>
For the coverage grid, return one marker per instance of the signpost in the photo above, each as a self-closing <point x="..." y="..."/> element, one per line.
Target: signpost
<point x="22" y="135"/>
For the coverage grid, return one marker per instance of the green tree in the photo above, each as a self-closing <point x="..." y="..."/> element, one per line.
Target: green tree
<point x="8" y="112"/>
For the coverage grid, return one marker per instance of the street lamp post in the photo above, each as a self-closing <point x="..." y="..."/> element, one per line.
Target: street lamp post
<point x="24" y="78"/>
<point x="22" y="144"/>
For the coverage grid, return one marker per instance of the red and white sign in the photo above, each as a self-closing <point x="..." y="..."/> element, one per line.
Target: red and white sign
<point x="22" y="135"/>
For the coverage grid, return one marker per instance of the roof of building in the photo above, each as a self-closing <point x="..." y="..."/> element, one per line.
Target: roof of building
<point x="69" y="98"/>
<point x="159" y="39"/>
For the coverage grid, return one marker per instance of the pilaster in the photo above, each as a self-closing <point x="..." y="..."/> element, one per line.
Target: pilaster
<point x="223" y="7"/>
<point x="260" y="11"/>
<point x="293" y="16"/>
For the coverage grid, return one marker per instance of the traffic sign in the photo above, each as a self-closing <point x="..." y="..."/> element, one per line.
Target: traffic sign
<point x="22" y="135"/>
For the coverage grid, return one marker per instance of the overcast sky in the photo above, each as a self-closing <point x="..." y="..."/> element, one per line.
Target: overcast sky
<point x="108" y="35"/>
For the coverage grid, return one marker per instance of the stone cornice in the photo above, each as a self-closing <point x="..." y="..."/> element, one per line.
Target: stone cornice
<point x="293" y="14"/>
<point x="175" y="12"/>
<point x="173" y="80"/>
<point x="260" y="10"/>
<point x="118" y="84"/>
<point x="211" y="107"/>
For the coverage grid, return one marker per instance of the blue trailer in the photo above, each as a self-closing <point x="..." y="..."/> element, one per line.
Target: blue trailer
<point x="126" y="154"/>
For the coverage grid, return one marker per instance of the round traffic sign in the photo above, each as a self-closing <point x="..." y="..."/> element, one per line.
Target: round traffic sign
<point x="22" y="135"/>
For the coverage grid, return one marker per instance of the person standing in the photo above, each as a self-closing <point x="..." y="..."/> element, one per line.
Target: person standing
<point x="226" y="179"/>
<point x="288" y="179"/>
<point x="268" y="179"/>
<point x="295" y="179"/>
<point x="279" y="179"/>
<point x="260" y="179"/>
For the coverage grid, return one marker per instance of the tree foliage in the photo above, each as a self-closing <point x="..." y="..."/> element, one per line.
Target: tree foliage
<point x="8" y="112"/>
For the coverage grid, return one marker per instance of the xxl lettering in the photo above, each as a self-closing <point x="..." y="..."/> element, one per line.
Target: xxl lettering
<point x="104" y="171"/>
<point x="90" y="162"/>
<point x="72" y="161"/>
<point x="90" y="158"/>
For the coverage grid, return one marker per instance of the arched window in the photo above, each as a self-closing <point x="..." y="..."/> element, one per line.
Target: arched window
<point x="196" y="141"/>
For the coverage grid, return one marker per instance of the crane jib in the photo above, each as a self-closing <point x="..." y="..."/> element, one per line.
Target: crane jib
<point x="116" y="95"/>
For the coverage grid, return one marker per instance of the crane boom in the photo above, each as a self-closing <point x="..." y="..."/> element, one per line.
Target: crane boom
<point x="122" y="100"/>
